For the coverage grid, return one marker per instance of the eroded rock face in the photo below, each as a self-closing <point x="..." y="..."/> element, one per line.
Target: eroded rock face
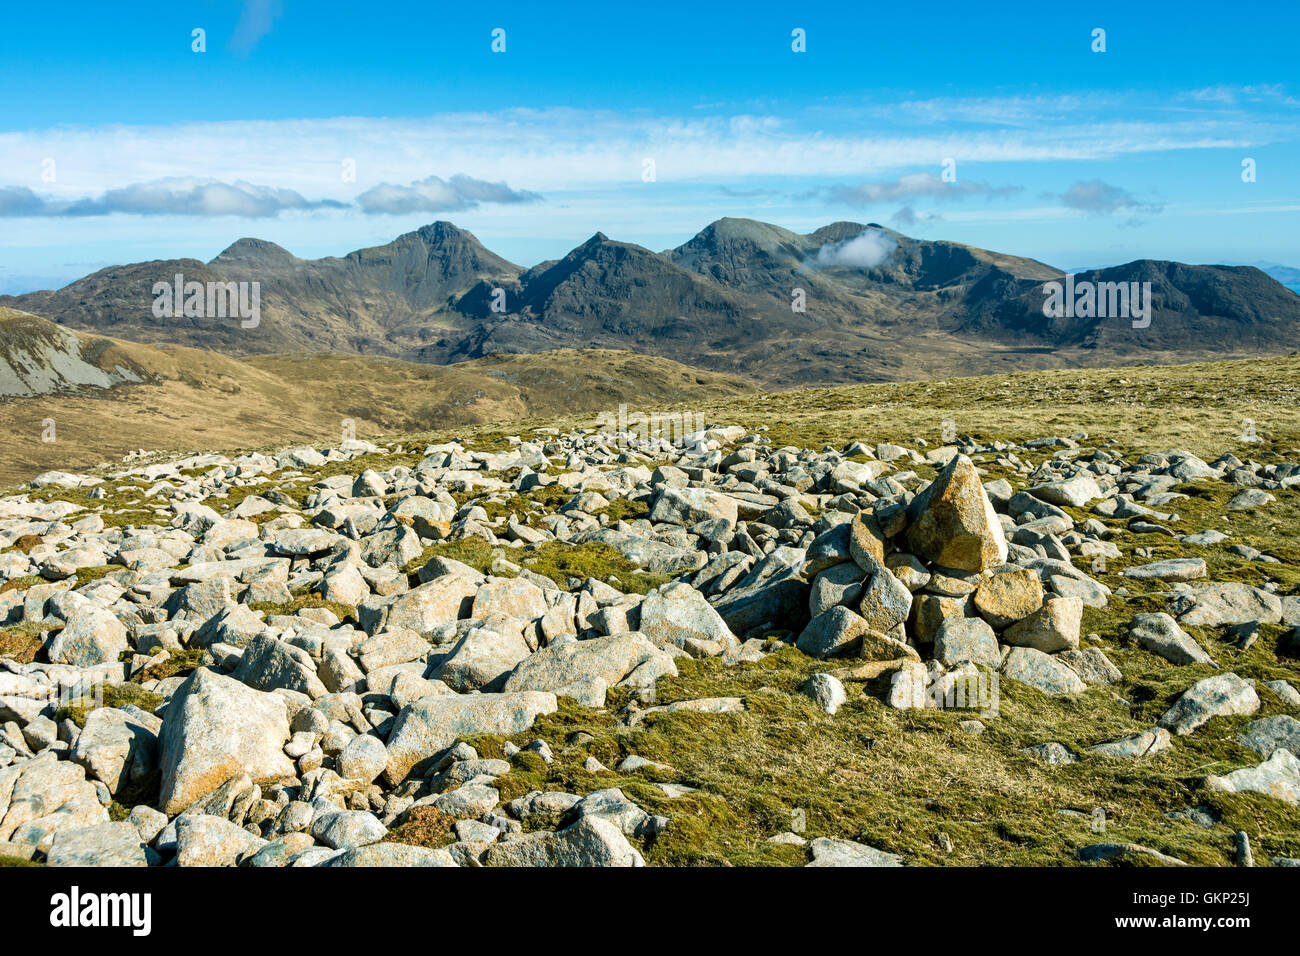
<point x="952" y="522"/>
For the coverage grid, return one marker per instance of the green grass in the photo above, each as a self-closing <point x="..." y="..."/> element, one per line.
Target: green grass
<point x="560" y="562"/>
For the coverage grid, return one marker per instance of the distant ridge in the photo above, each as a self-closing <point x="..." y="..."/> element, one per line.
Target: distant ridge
<point x="878" y="305"/>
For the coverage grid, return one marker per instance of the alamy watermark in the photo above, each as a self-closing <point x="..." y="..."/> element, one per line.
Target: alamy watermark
<point x="74" y="909"/>
<point x="1101" y="300"/>
<point x="959" y="690"/>
<point x="209" y="300"/>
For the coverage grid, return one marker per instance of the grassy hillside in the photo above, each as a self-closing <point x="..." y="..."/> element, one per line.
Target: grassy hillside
<point x="202" y="400"/>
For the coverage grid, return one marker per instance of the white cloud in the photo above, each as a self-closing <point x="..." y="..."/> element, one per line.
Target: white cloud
<point x="866" y="250"/>
<point x="913" y="186"/>
<point x="564" y="149"/>
<point x="255" y="21"/>
<point x="435" y="194"/>
<point x="1103" y="199"/>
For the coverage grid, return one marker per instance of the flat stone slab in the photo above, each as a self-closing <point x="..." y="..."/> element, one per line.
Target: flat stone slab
<point x="1222" y="695"/>
<point x="830" y="852"/>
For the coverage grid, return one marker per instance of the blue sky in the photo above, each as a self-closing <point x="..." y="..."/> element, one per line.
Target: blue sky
<point x="119" y="143"/>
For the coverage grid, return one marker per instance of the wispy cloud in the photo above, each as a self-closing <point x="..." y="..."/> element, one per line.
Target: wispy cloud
<point x="1103" y="199"/>
<point x="565" y="149"/>
<point x="255" y="21"/>
<point x="208" y="199"/>
<point x="913" y="186"/>
<point x="166" y="197"/>
<point x="434" y="194"/>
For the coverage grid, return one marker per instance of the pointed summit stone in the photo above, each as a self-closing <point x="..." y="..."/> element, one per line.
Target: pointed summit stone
<point x="953" y="524"/>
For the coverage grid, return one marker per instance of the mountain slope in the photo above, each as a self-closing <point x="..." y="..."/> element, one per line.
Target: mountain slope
<point x="876" y="305"/>
<point x="40" y="358"/>
<point x="171" y="397"/>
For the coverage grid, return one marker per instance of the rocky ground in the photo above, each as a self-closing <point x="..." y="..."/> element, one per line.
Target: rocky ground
<point x="586" y="649"/>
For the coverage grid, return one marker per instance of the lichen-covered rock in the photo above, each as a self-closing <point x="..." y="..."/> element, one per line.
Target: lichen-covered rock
<point x="952" y="522"/>
<point x="1007" y="596"/>
<point x="216" y="728"/>
<point x="1053" y="627"/>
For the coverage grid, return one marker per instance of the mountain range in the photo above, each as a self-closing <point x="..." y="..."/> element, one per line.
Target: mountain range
<point x="877" y="305"/>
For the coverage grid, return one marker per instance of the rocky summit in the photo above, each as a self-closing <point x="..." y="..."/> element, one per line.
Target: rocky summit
<point x="589" y="648"/>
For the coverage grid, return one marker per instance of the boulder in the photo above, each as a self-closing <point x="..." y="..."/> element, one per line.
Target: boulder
<point x="118" y="747"/>
<point x="1219" y="696"/>
<point x="967" y="639"/>
<point x="422" y="608"/>
<point x="1278" y="777"/>
<point x="690" y="506"/>
<point x="483" y="657"/>
<point x="511" y="597"/>
<point x="93" y="635"/>
<point x="830" y="852"/>
<point x="1142" y="744"/>
<point x="104" y="844"/>
<point x="268" y="664"/>
<point x="1173" y="569"/>
<point x="1042" y="671"/>
<point x="430" y="725"/>
<point x="591" y="841"/>
<point x="826" y="692"/>
<point x="1160" y="634"/>
<point x="678" y="614"/>
<point x="216" y="728"/>
<point x="1231" y="603"/>
<point x="1053" y="627"/>
<point x="203" y="840"/>
<point x="832" y="633"/>
<point x="1280" y="732"/>
<point x="952" y="522"/>
<point x="1075" y="492"/>
<point x="607" y="659"/>
<point x="885" y="601"/>
<point x="838" y="584"/>
<point x="41" y="796"/>
<point x="1007" y="596"/>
